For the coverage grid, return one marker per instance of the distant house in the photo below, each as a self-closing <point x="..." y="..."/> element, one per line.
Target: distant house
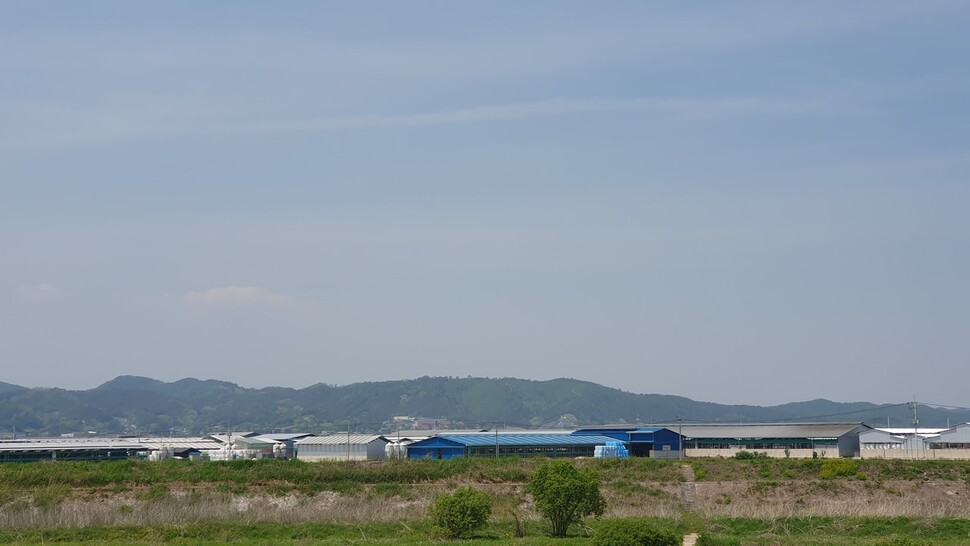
<point x="341" y="447"/>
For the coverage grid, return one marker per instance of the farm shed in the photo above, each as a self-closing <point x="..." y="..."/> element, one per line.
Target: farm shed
<point x="876" y="439"/>
<point x="957" y="437"/>
<point x="952" y="443"/>
<point x="774" y="439"/>
<point x="341" y="447"/>
<point x="82" y="449"/>
<point x="906" y="443"/>
<point x="531" y="444"/>
<point x="658" y="442"/>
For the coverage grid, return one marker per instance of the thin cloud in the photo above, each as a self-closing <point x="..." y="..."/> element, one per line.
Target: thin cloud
<point x="239" y="296"/>
<point x="39" y="292"/>
<point x="690" y="108"/>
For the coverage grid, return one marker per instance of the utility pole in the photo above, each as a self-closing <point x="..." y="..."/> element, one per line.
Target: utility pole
<point x="348" y="440"/>
<point x="680" y="438"/>
<point x="915" y="429"/>
<point x="496" y="440"/>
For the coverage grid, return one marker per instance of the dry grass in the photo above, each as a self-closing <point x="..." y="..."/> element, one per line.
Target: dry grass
<point x="183" y="509"/>
<point x="734" y="500"/>
<point x="770" y="500"/>
<point x="633" y="489"/>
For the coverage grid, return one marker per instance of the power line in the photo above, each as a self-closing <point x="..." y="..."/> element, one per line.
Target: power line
<point x="878" y="408"/>
<point x="944" y="406"/>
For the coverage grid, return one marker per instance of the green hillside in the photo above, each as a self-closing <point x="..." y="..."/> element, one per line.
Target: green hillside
<point x="138" y="405"/>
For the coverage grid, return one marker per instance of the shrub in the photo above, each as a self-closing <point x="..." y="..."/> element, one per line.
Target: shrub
<point x="633" y="533"/>
<point x="462" y="512"/>
<point x="834" y="468"/>
<point x="750" y="455"/>
<point x="565" y="494"/>
<point x="709" y="540"/>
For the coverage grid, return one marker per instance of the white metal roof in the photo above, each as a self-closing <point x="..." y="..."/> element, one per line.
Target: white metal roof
<point x="181" y="443"/>
<point x="59" y="444"/>
<point x="222" y="437"/>
<point x="764" y="430"/>
<point x="341" y="439"/>
<point x="902" y="431"/>
<point x="149" y="444"/>
<point x="284" y="437"/>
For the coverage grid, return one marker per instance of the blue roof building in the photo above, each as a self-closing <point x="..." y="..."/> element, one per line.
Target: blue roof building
<point x="507" y="444"/>
<point x="640" y="441"/>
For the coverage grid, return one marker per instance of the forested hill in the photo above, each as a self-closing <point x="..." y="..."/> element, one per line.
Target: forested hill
<point x="139" y="405"/>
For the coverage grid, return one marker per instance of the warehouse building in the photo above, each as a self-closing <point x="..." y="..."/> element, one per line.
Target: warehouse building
<point x="921" y="443"/>
<point x="953" y="443"/>
<point x="656" y="442"/>
<point x="505" y="444"/>
<point x="341" y="447"/>
<point x="796" y="440"/>
<point x="97" y="449"/>
<point x="68" y="449"/>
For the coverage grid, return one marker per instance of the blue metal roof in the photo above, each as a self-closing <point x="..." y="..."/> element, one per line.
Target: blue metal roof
<point x="527" y="439"/>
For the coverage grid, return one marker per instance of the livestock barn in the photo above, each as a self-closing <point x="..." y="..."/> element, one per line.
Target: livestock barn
<point x="341" y="447"/>
<point x="656" y="442"/>
<point x="796" y="440"/>
<point x="505" y="444"/>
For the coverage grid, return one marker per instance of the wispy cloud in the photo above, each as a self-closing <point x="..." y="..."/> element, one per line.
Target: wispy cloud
<point x="54" y="128"/>
<point x="39" y="292"/>
<point x="692" y="108"/>
<point x="240" y="296"/>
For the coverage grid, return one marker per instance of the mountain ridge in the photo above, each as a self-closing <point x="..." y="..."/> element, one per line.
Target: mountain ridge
<point x="131" y="404"/>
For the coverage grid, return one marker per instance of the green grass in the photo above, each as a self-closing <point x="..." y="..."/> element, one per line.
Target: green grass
<point x="43" y="485"/>
<point x="789" y="531"/>
<point x="717" y="470"/>
<point x="837" y="531"/>
<point x="236" y="476"/>
<point x="420" y="532"/>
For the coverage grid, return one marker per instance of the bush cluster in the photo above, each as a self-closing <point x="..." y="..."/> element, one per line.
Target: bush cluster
<point x="460" y="513"/>
<point x="834" y="468"/>
<point x="636" y="532"/>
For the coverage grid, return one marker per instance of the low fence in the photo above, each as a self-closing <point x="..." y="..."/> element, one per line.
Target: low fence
<point x="773" y="453"/>
<point x="930" y="454"/>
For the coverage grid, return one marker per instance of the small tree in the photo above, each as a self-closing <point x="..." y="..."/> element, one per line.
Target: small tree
<point x="462" y="512"/>
<point x="565" y="494"/>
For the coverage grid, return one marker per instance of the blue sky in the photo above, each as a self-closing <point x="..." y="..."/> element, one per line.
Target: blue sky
<point x="747" y="202"/>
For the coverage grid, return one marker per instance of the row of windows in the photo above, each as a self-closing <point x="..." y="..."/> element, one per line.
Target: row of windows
<point x="936" y="445"/>
<point x="530" y="451"/>
<point x="62" y="455"/>
<point x="758" y="445"/>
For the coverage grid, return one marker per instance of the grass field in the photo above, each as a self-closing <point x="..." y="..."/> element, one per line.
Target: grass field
<point x="794" y="531"/>
<point x="749" y="502"/>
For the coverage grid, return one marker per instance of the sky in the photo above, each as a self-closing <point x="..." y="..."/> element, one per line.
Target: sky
<point x="748" y="202"/>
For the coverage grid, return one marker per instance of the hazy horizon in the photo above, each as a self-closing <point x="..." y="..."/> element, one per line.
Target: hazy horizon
<point x="737" y="203"/>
